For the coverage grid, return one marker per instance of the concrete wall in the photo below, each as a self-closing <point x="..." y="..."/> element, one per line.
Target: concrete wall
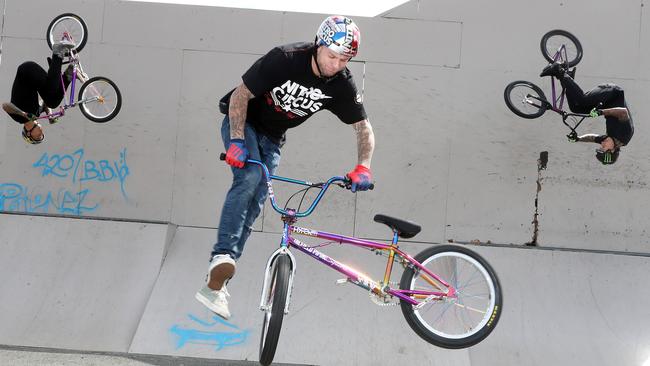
<point x="449" y="156"/>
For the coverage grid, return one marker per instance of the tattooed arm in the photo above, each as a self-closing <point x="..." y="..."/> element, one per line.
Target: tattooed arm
<point x="365" y="142"/>
<point x="237" y="111"/>
<point x="590" y="137"/>
<point x="619" y="112"/>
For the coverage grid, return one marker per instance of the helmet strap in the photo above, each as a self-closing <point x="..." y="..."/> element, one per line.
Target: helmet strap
<point x="320" y="73"/>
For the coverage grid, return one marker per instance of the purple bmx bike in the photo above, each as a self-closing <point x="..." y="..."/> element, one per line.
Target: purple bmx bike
<point x="527" y="100"/>
<point x="449" y="295"/>
<point x="99" y="99"/>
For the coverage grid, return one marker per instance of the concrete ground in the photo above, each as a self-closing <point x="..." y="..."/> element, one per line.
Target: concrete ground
<point x="27" y="356"/>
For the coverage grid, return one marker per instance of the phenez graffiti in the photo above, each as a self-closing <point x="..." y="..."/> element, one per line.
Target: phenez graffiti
<point x="218" y="339"/>
<point x="72" y="168"/>
<point x="15" y="197"/>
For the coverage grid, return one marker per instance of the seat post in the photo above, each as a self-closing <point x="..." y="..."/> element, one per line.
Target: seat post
<point x="391" y="258"/>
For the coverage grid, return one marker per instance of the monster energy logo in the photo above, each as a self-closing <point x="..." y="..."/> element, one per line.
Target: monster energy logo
<point x="608" y="157"/>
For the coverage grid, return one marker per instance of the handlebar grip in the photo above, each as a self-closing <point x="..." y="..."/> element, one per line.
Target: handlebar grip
<point x="222" y="157"/>
<point x="348" y="185"/>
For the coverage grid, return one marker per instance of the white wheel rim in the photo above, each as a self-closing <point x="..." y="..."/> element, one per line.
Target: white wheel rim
<point x="480" y="272"/>
<point x="106" y="105"/>
<point x="67" y="24"/>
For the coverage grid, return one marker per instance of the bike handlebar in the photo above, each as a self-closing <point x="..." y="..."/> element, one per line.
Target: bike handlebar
<point x="342" y="182"/>
<point x="583" y="115"/>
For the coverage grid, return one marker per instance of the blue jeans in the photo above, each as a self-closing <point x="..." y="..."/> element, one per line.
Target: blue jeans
<point x="246" y="196"/>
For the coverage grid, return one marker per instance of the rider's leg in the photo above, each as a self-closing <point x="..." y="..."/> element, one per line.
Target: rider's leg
<point x="24" y="92"/>
<point x="269" y="155"/>
<point x="240" y="196"/>
<point x="581" y="102"/>
<point x="51" y="90"/>
<point x="24" y="95"/>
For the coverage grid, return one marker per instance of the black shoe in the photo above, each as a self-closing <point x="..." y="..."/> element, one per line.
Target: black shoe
<point x="555" y="69"/>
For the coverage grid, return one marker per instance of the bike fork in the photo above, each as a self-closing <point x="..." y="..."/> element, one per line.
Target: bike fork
<point x="268" y="274"/>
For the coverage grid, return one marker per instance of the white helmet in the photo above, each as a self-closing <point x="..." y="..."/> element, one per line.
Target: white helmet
<point x="339" y="34"/>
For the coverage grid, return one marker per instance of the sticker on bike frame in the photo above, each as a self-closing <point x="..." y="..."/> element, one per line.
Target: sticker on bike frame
<point x="303" y="231"/>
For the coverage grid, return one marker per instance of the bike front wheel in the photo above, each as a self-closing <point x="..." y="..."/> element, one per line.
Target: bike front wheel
<point x="461" y="321"/>
<point x="71" y="24"/>
<point x="525" y="99"/>
<point x="552" y="42"/>
<point x="274" y="306"/>
<point x="99" y="99"/>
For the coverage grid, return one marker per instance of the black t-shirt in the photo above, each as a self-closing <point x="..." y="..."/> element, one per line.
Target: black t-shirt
<point x="614" y="96"/>
<point x="287" y="92"/>
<point x="621" y="130"/>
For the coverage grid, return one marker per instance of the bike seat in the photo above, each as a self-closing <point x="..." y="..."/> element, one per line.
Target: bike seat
<point x="405" y="229"/>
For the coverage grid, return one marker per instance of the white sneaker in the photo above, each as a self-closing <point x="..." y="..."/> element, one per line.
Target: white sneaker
<point x="213" y="294"/>
<point x="215" y="300"/>
<point x="222" y="268"/>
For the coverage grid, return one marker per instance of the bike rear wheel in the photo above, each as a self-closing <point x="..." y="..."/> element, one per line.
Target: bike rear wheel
<point x="274" y="308"/>
<point x="453" y="322"/>
<point x="525" y="99"/>
<point x="70" y="23"/>
<point x="99" y="99"/>
<point x="551" y="42"/>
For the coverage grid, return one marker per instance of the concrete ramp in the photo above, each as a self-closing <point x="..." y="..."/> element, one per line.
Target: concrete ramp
<point x="75" y="284"/>
<point x="105" y="286"/>
<point x="568" y="308"/>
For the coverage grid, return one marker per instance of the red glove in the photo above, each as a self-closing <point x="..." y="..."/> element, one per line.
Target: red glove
<point x="237" y="153"/>
<point x="360" y="177"/>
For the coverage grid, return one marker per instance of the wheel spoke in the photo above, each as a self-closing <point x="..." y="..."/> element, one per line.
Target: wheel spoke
<point x="470" y="308"/>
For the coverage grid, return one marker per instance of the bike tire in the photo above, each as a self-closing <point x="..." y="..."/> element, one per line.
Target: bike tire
<point x="552" y="40"/>
<point x="438" y="321"/>
<point x="275" y="304"/>
<point x="71" y="23"/>
<point x="525" y="99"/>
<point x="107" y="107"/>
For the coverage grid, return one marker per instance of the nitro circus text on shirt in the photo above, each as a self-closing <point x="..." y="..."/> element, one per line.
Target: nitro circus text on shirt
<point x="297" y="99"/>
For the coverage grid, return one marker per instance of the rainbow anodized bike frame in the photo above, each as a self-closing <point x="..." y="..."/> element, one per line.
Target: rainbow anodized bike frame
<point x="352" y="275"/>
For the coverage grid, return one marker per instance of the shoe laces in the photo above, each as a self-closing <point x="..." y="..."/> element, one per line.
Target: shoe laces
<point x="221" y="294"/>
<point x="224" y="291"/>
